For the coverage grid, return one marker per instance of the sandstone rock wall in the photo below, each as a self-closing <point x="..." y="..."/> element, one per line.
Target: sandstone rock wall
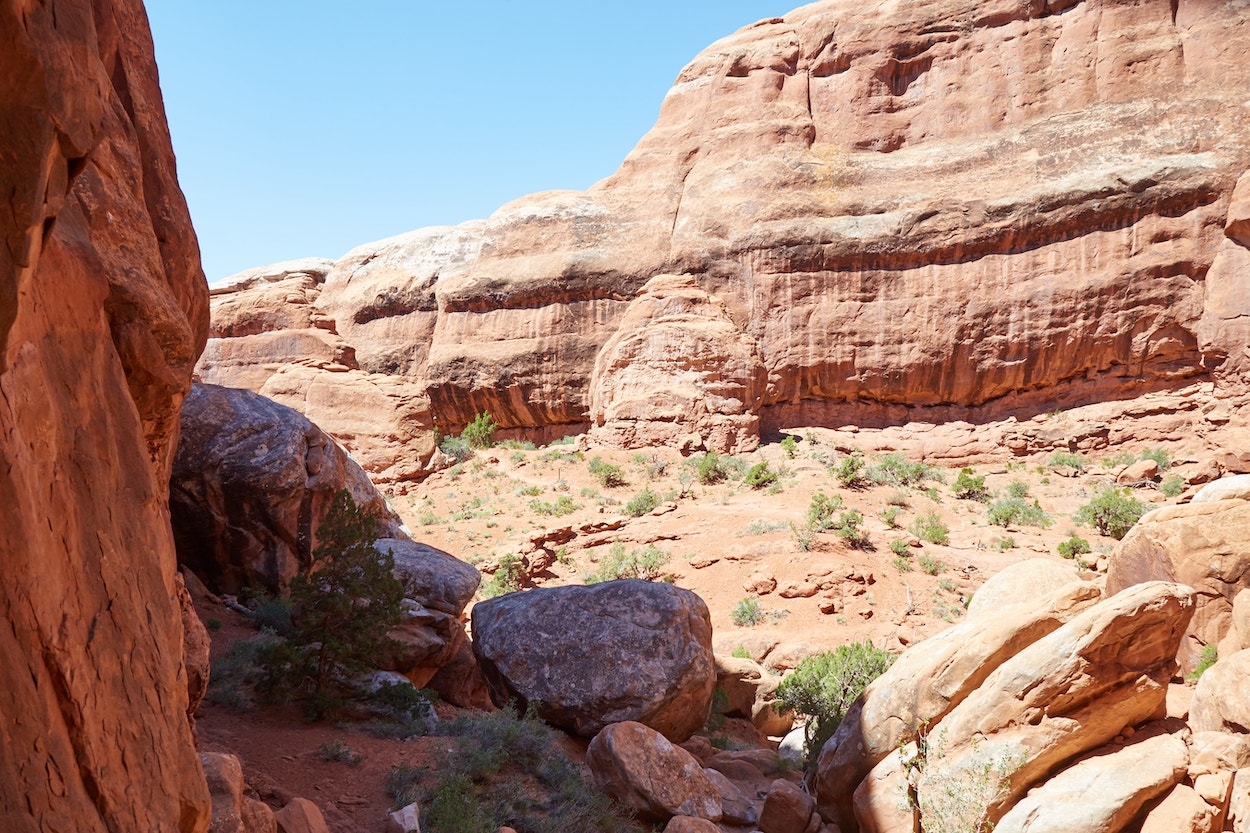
<point x="871" y="214"/>
<point x="103" y="312"/>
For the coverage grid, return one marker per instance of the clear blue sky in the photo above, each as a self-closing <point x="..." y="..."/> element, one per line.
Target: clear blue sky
<point x="309" y="128"/>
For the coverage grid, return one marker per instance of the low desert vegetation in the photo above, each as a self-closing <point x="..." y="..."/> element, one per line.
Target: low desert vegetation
<point x="1017" y="512"/>
<point x="1113" y="512"/>
<point x="748" y="613"/>
<point x="645" y="564"/>
<point x="931" y="528"/>
<point x="970" y="486"/>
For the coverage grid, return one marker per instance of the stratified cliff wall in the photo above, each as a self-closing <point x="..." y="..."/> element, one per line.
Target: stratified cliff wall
<point x="103" y="312"/>
<point x="860" y="213"/>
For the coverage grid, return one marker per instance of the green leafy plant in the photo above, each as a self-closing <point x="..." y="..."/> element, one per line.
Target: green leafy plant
<point x="931" y="565"/>
<point x="1017" y="489"/>
<point x="507" y="577"/>
<point x="820" y="511"/>
<point x="1005" y="543"/>
<point x="892" y="469"/>
<point x="970" y="486"/>
<point x="747" y="613"/>
<point x="899" y="546"/>
<point x="1071" y="459"/>
<point x="480" y="432"/>
<point x="825" y="685"/>
<point x="1122" y="458"/>
<point x="642" y="503"/>
<point x="457" y="448"/>
<point x="741" y="652"/>
<point x="1172" y="486"/>
<point x="608" y="474"/>
<point x="930" y="527"/>
<point x="849" y="528"/>
<point x="789" y="445"/>
<point x="956" y="799"/>
<point x="1112" y="512"/>
<point x="1073" y="547"/>
<point x="759" y="476"/>
<point x="850" y="470"/>
<point x="564" y="505"/>
<point x="1209" y="657"/>
<point x="890" y="515"/>
<point x="339" y="752"/>
<point x="643" y="564"/>
<point x="1160" y="456"/>
<point x="1018" y="511"/>
<point x="709" y="469"/>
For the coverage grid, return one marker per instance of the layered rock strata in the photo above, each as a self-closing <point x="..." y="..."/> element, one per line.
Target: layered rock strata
<point x="853" y="214"/>
<point x="103" y="313"/>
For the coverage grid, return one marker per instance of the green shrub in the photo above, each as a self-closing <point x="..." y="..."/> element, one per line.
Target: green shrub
<point x="789" y="445"/>
<point x="1070" y="459"/>
<point x="930" y="565"/>
<point x="1209" y="657"/>
<point x="1073" y="547"/>
<point x="899" y="547"/>
<point x="970" y="486"/>
<point x="480" y="432"/>
<point x="890" y="515"/>
<point x="339" y="752"/>
<point x="1123" y="458"/>
<point x="1172" y="486"/>
<point x="850" y="470"/>
<point x="643" y="564"/>
<point x="903" y="564"/>
<point x="1005" y="543"/>
<point x="519" y="445"/>
<point x="848" y="527"/>
<point x="1112" y="512"/>
<point x="803" y="536"/>
<point x="892" y="469"/>
<point x="642" y="503"/>
<point x="609" y="474"/>
<point x="1017" y="489"/>
<point x="900" y="498"/>
<point x="930" y="527"/>
<point x="1160" y="456"/>
<point x="564" y="505"/>
<point x="456" y="448"/>
<point x="530" y="490"/>
<point x="213" y="624"/>
<point x="506" y="579"/>
<point x="271" y="612"/>
<point x="1018" y="511"/>
<point x="821" y="510"/>
<point x="741" y="652"/>
<point x="824" y="686"/>
<point x="747" y="613"/>
<point x="759" y="526"/>
<point x="759" y="476"/>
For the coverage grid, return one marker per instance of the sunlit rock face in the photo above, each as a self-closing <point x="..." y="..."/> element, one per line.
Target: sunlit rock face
<point x="103" y="313"/>
<point x="867" y="213"/>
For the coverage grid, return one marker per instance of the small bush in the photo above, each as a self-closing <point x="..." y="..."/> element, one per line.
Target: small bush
<point x="517" y="445"/>
<point x="747" y="613"/>
<point x="643" y="564"/>
<point x="848" y="527"/>
<point x="929" y="565"/>
<point x="456" y="448"/>
<point x="821" y="510"/>
<point x="1115" y="461"/>
<point x="1070" y="459"/>
<point x="480" y="432"/>
<point x="850" y="470"/>
<point x="803" y="537"/>
<point x="789" y="445"/>
<point x="741" y="652"/>
<point x="762" y="527"/>
<point x="930" y="527"/>
<point x="213" y="624"/>
<point x="1073" y="547"/>
<point x="1160" y="456"/>
<point x="609" y="474"/>
<point x="1172" y="486"/>
<point x="760" y="476"/>
<point x="970" y="486"/>
<point x="899" y="547"/>
<point x="1018" y="511"/>
<point x="900" y="498"/>
<point x="642" y="503"/>
<point x="890" y="515"/>
<point x="892" y="469"/>
<point x="507" y="578"/>
<point x="709" y="469"/>
<point x="564" y="505"/>
<point x="339" y="752"/>
<point x="825" y="685"/>
<point x="1017" y="489"/>
<point x="1005" y="543"/>
<point x="1209" y="657"/>
<point x="1112" y="512"/>
<point x="903" y="564"/>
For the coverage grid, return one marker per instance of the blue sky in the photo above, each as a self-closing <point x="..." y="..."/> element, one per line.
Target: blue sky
<point x="309" y="128"/>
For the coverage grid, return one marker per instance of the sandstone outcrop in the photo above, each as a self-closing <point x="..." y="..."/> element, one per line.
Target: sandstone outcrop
<point x="852" y="214"/>
<point x="749" y="690"/>
<point x="103" y="312"/>
<point x="1101" y="674"/>
<point x="251" y="483"/>
<point x="640" y="768"/>
<point x="1221" y="702"/>
<point x="1200" y="545"/>
<point x="436" y="579"/>
<point x="590" y="656"/>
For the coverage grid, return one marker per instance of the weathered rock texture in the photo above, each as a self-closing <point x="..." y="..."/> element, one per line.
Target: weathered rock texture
<point x="103" y="312"/>
<point x="588" y="656"/>
<point x="638" y="767"/>
<point x="856" y="214"/>
<point x="251" y="484"/>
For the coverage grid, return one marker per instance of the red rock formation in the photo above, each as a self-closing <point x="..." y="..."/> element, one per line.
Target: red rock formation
<point x="103" y="312"/>
<point x="910" y="212"/>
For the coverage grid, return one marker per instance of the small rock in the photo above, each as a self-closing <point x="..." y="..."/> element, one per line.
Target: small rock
<point x="405" y="820"/>
<point x="787" y="809"/>
<point x="798" y="590"/>
<point x="700" y="562"/>
<point x="760" y="584"/>
<point x="690" y="824"/>
<point x="301" y="816"/>
<point x="640" y="768"/>
<point x="1138" y="472"/>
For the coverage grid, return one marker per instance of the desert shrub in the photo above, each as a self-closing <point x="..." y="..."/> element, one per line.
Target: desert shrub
<point x="741" y="652"/>
<point x="529" y="490"/>
<point x="1172" y="486"/>
<point x="890" y="515"/>
<point x="339" y="752"/>
<point x="759" y="476"/>
<point x="642" y="503"/>
<point x="517" y="445"/>
<point x="850" y="470"/>
<point x="900" y="498"/>
<point x="1117" y="460"/>
<point x="1017" y="489"/>
<point x="1005" y="543"/>
<point x="900" y="547"/>
<point x="480" y="432"/>
<point x="759" y="526"/>
<point x="564" y="505"/>
<point x="825" y="685"/>
<point x="342" y="613"/>
<point x="803" y="536"/>
<point x="930" y="527"/>
<point x="1159" y="455"/>
<point x="457" y="448"/>
<point x="747" y="613"/>
<point x="1209" y="657"/>
<point x="1112" y="512"/>
<point x="789" y="445"/>
<point x="970" y="486"/>
<point x="1018" y="511"/>
<point x="931" y="565"/>
<point x="1071" y="459"/>
<point x="848" y="527"/>
<point x="1073" y="547"/>
<point x="609" y="474"/>
<point x="955" y="800"/>
<point x="643" y="564"/>
<point x="892" y="469"/>
<point x="507" y="577"/>
<point x="708" y="468"/>
<point x="272" y="612"/>
<point x="820" y="511"/>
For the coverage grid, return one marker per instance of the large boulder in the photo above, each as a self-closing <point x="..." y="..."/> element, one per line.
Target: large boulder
<point x="1103" y="791"/>
<point x="1235" y="487"/>
<point x="926" y="682"/>
<point x="1222" y="700"/>
<point x="1022" y="583"/>
<point x="1201" y="545"/>
<point x="1067" y="693"/>
<point x="749" y="690"/>
<point x="589" y="656"/>
<point x="640" y="768"/>
<point x="251" y="483"/>
<point x="436" y="579"/>
<point x="103" y="312"/>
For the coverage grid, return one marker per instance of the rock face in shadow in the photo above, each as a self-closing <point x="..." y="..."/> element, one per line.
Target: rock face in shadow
<point x="857" y="214"/>
<point x="251" y="483"/>
<point x="588" y="656"/>
<point x="103" y="313"/>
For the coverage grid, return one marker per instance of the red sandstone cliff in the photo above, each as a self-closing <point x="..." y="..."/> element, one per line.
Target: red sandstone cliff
<point x="103" y="312"/>
<point x="860" y="213"/>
